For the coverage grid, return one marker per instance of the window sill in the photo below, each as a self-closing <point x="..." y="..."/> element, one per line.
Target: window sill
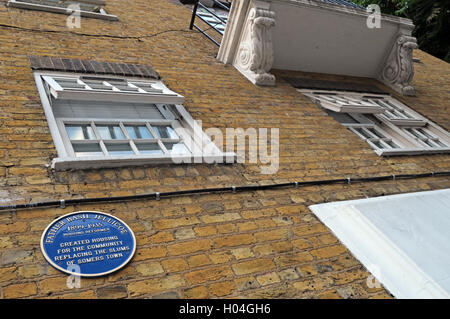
<point x="412" y="151"/>
<point x="41" y="7"/>
<point x="61" y="164"/>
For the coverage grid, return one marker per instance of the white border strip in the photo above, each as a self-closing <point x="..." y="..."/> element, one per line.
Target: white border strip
<point x="399" y="274"/>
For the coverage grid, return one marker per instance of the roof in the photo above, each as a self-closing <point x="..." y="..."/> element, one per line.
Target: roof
<point x="91" y="66"/>
<point x="344" y="3"/>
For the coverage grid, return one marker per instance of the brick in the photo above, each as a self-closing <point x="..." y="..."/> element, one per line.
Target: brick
<point x="189" y="247"/>
<point x="16" y="256"/>
<point x="7" y="274"/>
<point x="175" y="264"/>
<point x="301" y="243"/>
<point x="112" y="292"/>
<point x="289" y="210"/>
<point x="242" y="253"/>
<point x="272" y="292"/>
<point x="205" y="231"/>
<point x="198" y="261"/>
<point x="293" y="259"/>
<point x="245" y="283"/>
<point x="150" y="253"/>
<point x="221" y="257"/>
<point x="200" y="292"/>
<point x="288" y="274"/>
<point x="273" y="235"/>
<point x="349" y="276"/>
<point x="221" y="289"/>
<point x="161" y="237"/>
<point x="175" y="222"/>
<point x="155" y="285"/>
<point x="17" y="227"/>
<point x="328" y="252"/>
<point x="315" y="284"/>
<point x="253" y="266"/>
<point x="6" y="242"/>
<point x="226" y="217"/>
<point x="309" y="230"/>
<point x="29" y="271"/>
<point x="273" y="248"/>
<point x="87" y="294"/>
<point x="20" y="290"/>
<point x="226" y="228"/>
<point x="186" y="233"/>
<point x="268" y="279"/>
<point x="251" y="214"/>
<point x="245" y="226"/>
<point x="53" y="285"/>
<point x="149" y="268"/>
<point x="234" y="240"/>
<point x="167" y="295"/>
<point x="209" y="274"/>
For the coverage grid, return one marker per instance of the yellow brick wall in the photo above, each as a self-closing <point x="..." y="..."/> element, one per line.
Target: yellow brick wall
<point x="262" y="244"/>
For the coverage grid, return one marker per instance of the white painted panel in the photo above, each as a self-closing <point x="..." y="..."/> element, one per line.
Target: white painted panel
<point x="104" y="110"/>
<point x="406" y="237"/>
<point x="317" y="40"/>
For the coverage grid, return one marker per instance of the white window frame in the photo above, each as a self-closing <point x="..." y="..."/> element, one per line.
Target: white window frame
<point x="163" y="96"/>
<point x="49" y="8"/>
<point x="188" y="130"/>
<point x="393" y="122"/>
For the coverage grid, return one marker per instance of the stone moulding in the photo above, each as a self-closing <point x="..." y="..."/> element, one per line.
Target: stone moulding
<point x="247" y="42"/>
<point x="398" y="70"/>
<point x="254" y="57"/>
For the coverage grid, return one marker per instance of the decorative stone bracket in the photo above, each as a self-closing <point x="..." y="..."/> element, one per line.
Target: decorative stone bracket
<point x="254" y="57"/>
<point x="398" y="70"/>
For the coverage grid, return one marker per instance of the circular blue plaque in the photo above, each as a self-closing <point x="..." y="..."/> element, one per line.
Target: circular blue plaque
<point x="88" y="243"/>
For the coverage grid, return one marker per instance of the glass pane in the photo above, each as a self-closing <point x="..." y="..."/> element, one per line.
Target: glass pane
<point x="164" y="131"/>
<point x="377" y="144"/>
<point x="429" y="143"/>
<point x="119" y="149"/>
<point x="149" y="148"/>
<point x="80" y="132"/>
<point x="110" y="132"/>
<point x="97" y="85"/>
<point x="392" y="144"/>
<point x="177" y="148"/>
<point x="413" y="132"/>
<point x="343" y="118"/>
<point x="125" y="87"/>
<point x="87" y="150"/>
<point x="425" y="133"/>
<point x="138" y="131"/>
<point x="363" y="132"/>
<point x="376" y="132"/>
<point x="69" y="83"/>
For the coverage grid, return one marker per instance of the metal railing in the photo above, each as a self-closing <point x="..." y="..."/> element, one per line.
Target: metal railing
<point x="211" y="18"/>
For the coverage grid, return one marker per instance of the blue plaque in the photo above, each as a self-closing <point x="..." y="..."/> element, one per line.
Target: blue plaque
<point x="88" y="244"/>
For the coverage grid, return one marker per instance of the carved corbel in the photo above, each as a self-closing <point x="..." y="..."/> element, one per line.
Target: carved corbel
<point x="254" y="58"/>
<point x="398" y="71"/>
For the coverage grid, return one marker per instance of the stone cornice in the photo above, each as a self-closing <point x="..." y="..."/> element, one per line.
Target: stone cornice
<point x="405" y="23"/>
